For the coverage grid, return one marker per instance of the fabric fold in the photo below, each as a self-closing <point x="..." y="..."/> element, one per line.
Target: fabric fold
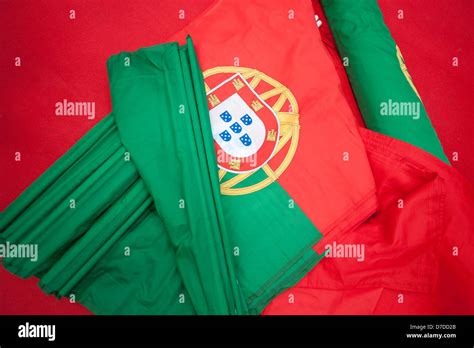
<point x="157" y="113"/>
<point x="386" y="95"/>
<point x="136" y="193"/>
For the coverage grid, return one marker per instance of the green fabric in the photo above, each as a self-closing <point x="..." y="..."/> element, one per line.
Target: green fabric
<point x="376" y="77"/>
<point x="173" y="155"/>
<point x="153" y="235"/>
<point x="82" y="250"/>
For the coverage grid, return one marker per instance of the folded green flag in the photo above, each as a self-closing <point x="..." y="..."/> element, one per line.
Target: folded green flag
<point x="131" y="221"/>
<point x="386" y="95"/>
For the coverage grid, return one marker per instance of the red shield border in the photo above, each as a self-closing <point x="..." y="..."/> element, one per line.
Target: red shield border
<point x="266" y="114"/>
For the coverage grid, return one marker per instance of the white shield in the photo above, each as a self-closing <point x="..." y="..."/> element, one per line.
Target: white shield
<point x="240" y="133"/>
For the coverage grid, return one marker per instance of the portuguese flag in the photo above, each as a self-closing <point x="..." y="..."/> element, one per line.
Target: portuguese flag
<point x="386" y="94"/>
<point x="227" y="166"/>
<point x="197" y="194"/>
<point x="207" y="188"/>
<point x="413" y="256"/>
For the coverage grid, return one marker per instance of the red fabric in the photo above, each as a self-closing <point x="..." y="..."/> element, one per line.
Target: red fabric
<point x="409" y="267"/>
<point x="331" y="47"/>
<point x="64" y="58"/>
<point x="409" y="249"/>
<point x="334" y="194"/>
<point x="429" y="36"/>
